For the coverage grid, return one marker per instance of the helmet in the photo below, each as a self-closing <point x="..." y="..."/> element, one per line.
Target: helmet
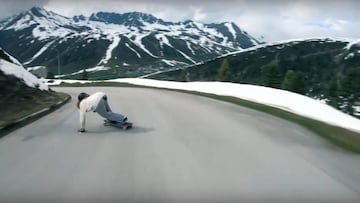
<point x="82" y="96"/>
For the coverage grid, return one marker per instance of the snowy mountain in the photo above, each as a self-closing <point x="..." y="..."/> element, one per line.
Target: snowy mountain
<point x="118" y="45"/>
<point x="327" y="69"/>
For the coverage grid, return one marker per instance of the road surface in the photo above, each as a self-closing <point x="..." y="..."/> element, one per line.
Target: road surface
<point x="183" y="148"/>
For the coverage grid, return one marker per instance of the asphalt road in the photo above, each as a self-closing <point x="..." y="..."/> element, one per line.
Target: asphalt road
<point x="183" y="148"/>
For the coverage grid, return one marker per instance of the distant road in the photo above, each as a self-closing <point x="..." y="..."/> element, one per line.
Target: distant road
<point x="183" y="148"/>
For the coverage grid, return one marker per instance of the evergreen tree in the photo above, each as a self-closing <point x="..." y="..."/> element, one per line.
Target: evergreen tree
<point x="350" y="91"/>
<point x="224" y="72"/>
<point x="294" y="81"/>
<point x="271" y="76"/>
<point x="333" y="93"/>
<point x="183" y="76"/>
<point x="288" y="80"/>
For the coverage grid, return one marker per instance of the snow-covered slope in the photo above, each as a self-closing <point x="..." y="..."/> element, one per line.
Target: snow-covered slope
<point x="10" y="66"/>
<point x="122" y="41"/>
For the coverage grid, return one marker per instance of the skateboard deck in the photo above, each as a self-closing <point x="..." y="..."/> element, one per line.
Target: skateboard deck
<point x="122" y="125"/>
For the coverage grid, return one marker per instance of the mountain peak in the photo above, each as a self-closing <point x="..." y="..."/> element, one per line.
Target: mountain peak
<point x="38" y="12"/>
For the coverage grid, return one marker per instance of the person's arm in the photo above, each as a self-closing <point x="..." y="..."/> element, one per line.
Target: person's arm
<point x="82" y="111"/>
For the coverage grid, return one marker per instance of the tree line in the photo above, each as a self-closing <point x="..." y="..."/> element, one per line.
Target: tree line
<point x="343" y="92"/>
<point x="271" y="77"/>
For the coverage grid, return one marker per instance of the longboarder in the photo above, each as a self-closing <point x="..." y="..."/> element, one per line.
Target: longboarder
<point x="98" y="103"/>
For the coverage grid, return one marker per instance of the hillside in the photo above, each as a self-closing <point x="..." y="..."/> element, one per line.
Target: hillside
<point x="21" y="93"/>
<point x="328" y="69"/>
<point x="112" y="45"/>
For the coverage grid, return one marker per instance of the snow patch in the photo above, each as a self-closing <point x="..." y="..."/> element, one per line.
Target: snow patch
<point x="231" y="29"/>
<point x="139" y="43"/>
<point x="188" y="44"/>
<point x="22" y="23"/>
<point x="137" y="53"/>
<point x="94" y="69"/>
<point x="42" y="50"/>
<point x="35" y="68"/>
<point x="349" y="56"/>
<point x="163" y="40"/>
<point x="186" y="56"/>
<point x="169" y="62"/>
<point x="350" y="44"/>
<point x="115" y="42"/>
<point x="19" y="72"/>
<point x="13" y="60"/>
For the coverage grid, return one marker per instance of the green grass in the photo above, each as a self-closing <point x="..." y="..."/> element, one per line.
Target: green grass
<point x="10" y="120"/>
<point x="341" y="137"/>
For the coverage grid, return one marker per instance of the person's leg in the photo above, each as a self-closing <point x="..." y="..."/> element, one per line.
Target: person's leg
<point x="102" y="110"/>
<point x="107" y="107"/>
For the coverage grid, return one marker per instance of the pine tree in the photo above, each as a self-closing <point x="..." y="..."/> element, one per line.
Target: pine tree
<point x="288" y="80"/>
<point x="333" y="93"/>
<point x="271" y="76"/>
<point x="299" y="83"/>
<point x="224" y="72"/>
<point x="350" y="91"/>
<point x="183" y="77"/>
<point x="294" y="81"/>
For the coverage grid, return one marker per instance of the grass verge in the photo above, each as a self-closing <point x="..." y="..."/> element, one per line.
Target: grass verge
<point x="341" y="137"/>
<point x="19" y="115"/>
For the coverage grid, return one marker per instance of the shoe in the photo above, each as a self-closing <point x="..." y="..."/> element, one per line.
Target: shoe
<point x="82" y="130"/>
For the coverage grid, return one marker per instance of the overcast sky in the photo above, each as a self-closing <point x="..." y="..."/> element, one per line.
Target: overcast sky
<point x="274" y="19"/>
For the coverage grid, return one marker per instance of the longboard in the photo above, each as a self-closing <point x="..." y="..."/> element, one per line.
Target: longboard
<point x="124" y="125"/>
